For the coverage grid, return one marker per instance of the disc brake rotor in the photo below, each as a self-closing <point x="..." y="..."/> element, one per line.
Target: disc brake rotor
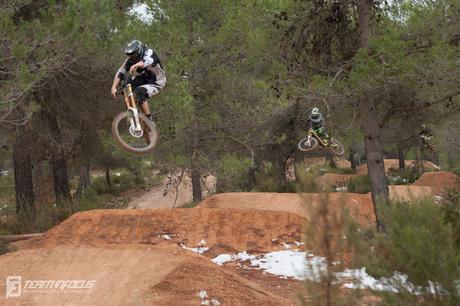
<point x="134" y="133"/>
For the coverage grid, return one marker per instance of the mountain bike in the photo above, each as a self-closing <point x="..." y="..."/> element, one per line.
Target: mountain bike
<point x="131" y="128"/>
<point x="313" y="140"/>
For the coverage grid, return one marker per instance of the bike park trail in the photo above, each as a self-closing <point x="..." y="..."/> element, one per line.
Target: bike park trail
<point x="166" y="256"/>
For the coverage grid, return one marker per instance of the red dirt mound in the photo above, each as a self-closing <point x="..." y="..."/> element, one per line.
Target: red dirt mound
<point x="229" y="229"/>
<point x="409" y="192"/>
<point x="199" y="275"/>
<point x="394" y="164"/>
<point x="440" y="181"/>
<point x="293" y="202"/>
<point x="129" y="275"/>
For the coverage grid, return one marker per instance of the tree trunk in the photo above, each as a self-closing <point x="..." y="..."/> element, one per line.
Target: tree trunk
<point x="61" y="179"/>
<point x="278" y="159"/>
<point x="375" y="162"/>
<point x="107" y="177"/>
<point x="196" y="174"/>
<point x="419" y="155"/>
<point x="402" y="161"/>
<point x="43" y="184"/>
<point x="299" y="170"/>
<point x="58" y="161"/>
<point x="370" y="124"/>
<point x="364" y="19"/>
<point x="24" y="188"/>
<point x="352" y="156"/>
<point x="84" y="181"/>
<point x="252" y="182"/>
<point x="196" y="184"/>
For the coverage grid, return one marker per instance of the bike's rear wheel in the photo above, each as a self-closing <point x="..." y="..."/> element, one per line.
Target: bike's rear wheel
<point x="139" y="145"/>
<point x="336" y="147"/>
<point x="304" y="145"/>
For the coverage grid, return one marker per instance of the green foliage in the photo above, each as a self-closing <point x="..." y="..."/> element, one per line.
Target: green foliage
<point x="233" y="173"/>
<point x="6" y="248"/>
<point x="450" y="205"/>
<point x="402" y="176"/>
<point x="359" y="184"/>
<point x="48" y="216"/>
<point x="420" y="244"/>
<point x="266" y="178"/>
<point x="306" y="182"/>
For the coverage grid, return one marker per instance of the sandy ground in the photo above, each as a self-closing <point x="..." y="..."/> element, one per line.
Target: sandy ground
<point x="169" y="194"/>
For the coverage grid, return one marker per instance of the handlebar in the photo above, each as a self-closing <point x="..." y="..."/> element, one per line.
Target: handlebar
<point x="124" y="83"/>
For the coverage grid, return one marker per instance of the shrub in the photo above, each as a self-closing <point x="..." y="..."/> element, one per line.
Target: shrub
<point x="6" y="247"/>
<point x="450" y="205"/>
<point x="359" y="184"/>
<point x="420" y="244"/>
<point x="402" y="176"/>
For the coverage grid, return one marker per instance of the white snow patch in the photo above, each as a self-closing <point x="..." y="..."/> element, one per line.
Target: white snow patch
<point x="166" y="237"/>
<point x="199" y="250"/>
<point x="202" y="242"/>
<point x="215" y="302"/>
<point x="286" y="245"/>
<point x="286" y="263"/>
<point x="222" y="258"/>
<point x="302" y="265"/>
<point x="203" y="295"/>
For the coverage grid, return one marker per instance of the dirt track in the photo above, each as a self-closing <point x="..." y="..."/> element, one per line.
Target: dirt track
<point x="145" y="256"/>
<point x="140" y="256"/>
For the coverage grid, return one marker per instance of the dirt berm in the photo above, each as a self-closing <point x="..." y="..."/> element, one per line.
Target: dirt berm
<point x="294" y="203"/>
<point x="138" y="257"/>
<point x="145" y="256"/>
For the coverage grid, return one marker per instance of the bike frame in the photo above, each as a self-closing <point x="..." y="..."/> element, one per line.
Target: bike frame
<point x="312" y="132"/>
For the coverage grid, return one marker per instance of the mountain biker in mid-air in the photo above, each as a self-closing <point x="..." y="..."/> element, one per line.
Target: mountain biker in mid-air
<point x="426" y="136"/>
<point x="151" y="77"/>
<point x="316" y="123"/>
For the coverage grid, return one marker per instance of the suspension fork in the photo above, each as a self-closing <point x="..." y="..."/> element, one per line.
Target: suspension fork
<point x="131" y="105"/>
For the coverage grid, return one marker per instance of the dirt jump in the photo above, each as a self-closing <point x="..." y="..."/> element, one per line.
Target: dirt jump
<point x="165" y="256"/>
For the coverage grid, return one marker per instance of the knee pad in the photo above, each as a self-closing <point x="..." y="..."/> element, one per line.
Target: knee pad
<point x="141" y="95"/>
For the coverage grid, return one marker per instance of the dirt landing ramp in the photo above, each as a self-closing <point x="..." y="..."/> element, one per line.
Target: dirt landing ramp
<point x="229" y="229"/>
<point x="409" y="192"/>
<point x="293" y="202"/>
<point x="440" y="181"/>
<point x="128" y="275"/>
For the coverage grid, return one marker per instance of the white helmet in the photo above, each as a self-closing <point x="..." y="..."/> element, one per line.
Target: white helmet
<point x="315" y="111"/>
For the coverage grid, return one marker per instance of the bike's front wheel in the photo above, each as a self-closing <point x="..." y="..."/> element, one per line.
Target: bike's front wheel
<point x="336" y="147"/>
<point x="307" y="145"/>
<point x="139" y="142"/>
